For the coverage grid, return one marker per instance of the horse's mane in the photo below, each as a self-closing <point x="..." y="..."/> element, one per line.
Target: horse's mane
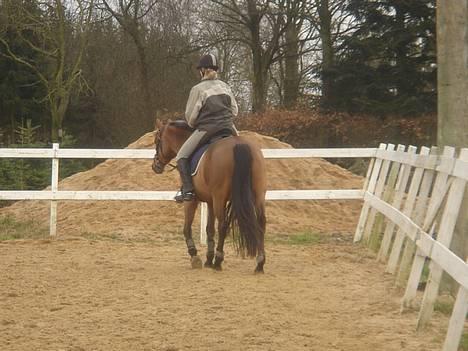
<point x="181" y="124"/>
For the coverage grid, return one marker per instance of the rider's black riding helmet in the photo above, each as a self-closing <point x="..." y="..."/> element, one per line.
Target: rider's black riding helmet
<point x="208" y="61"/>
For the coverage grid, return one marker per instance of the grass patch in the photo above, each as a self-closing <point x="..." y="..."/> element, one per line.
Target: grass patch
<point x="11" y="229"/>
<point x="444" y="306"/>
<point x="103" y="237"/>
<point x="304" y="238"/>
<point x="464" y="342"/>
<point x="376" y="236"/>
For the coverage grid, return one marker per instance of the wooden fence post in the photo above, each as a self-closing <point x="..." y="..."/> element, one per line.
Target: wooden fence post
<point x="457" y="320"/>
<point x="447" y="226"/>
<point x="438" y="193"/>
<point x="400" y="189"/>
<point x="368" y="174"/>
<point x="419" y="210"/>
<point x="203" y="222"/>
<point x="388" y="197"/>
<point x="407" y="210"/>
<point x="379" y="189"/>
<point x="370" y="188"/>
<point x="54" y="188"/>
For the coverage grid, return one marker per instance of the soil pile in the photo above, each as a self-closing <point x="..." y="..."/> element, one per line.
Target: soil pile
<point x="160" y="219"/>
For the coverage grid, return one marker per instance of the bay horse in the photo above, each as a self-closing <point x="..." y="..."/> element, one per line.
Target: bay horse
<point x="231" y="179"/>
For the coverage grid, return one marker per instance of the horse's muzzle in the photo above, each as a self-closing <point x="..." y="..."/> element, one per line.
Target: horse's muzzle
<point x="157" y="167"/>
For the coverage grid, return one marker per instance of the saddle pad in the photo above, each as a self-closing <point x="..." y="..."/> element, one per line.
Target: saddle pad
<point x="196" y="158"/>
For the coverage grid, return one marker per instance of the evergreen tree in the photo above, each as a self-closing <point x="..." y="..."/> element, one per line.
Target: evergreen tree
<point x="20" y="91"/>
<point x="388" y="63"/>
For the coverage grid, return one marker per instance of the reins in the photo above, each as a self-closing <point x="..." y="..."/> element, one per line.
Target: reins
<point x="159" y="151"/>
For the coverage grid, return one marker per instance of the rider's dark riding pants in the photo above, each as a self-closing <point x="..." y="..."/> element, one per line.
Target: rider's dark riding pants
<point x="190" y="144"/>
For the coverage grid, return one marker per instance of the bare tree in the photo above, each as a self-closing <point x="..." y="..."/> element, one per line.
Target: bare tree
<point x="130" y="14"/>
<point x="61" y="73"/>
<point x="331" y="20"/>
<point x="259" y="25"/>
<point x="296" y="37"/>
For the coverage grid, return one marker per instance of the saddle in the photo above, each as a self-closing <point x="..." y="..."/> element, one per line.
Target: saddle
<point x="210" y="139"/>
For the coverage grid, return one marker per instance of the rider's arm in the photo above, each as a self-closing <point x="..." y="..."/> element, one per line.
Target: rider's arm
<point x="234" y="129"/>
<point x="234" y="108"/>
<point x="235" y="111"/>
<point x="193" y="107"/>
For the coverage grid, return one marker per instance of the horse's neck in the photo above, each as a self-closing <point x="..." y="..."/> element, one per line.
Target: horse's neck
<point x="180" y="137"/>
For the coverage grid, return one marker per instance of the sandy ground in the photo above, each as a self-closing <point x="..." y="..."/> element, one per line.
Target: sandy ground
<point x="118" y="277"/>
<point x="82" y="294"/>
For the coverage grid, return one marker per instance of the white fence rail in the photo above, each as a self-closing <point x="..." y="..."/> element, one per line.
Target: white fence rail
<point x="54" y="194"/>
<point x="403" y="195"/>
<point x="411" y="206"/>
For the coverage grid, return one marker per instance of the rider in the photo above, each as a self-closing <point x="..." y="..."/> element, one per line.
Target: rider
<point x="210" y="108"/>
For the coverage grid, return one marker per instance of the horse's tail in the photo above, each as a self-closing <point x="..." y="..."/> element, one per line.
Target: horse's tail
<point x="242" y="216"/>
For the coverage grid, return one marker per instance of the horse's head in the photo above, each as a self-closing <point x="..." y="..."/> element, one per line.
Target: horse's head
<point x="164" y="151"/>
<point x="168" y="139"/>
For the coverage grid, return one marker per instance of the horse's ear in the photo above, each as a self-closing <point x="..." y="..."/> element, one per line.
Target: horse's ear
<point x="158" y="124"/>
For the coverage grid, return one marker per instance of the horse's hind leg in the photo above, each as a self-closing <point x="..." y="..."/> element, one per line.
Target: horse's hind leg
<point x="261" y="256"/>
<point x="190" y="208"/>
<point x="210" y="233"/>
<point x="222" y="230"/>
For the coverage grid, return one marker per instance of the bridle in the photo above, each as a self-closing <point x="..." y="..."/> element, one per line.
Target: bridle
<point x="158" y="165"/>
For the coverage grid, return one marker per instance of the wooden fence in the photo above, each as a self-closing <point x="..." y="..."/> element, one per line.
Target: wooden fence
<point x="411" y="205"/>
<point x="54" y="194"/>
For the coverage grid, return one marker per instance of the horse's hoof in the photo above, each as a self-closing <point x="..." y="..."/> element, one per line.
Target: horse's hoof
<point x="208" y="264"/>
<point x="217" y="268"/>
<point x="259" y="271"/>
<point x="196" y="262"/>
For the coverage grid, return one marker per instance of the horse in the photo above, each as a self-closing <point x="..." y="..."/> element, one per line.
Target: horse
<point x="231" y="179"/>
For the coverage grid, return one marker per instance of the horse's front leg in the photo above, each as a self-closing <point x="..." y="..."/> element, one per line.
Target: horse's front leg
<point x="210" y="233"/>
<point x="190" y="208"/>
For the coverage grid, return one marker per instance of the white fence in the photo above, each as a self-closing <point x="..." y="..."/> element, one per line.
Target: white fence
<point x="398" y="214"/>
<point x="54" y="194"/>
<point x="411" y="206"/>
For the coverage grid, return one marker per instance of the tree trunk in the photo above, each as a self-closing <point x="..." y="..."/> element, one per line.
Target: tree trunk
<point x="259" y="73"/>
<point x="55" y="125"/>
<point x="327" y="52"/>
<point x="258" y="83"/>
<point x="452" y="50"/>
<point x="401" y="55"/>
<point x="11" y="138"/>
<point x="291" y="78"/>
<point x="129" y="21"/>
<point x="149" y="118"/>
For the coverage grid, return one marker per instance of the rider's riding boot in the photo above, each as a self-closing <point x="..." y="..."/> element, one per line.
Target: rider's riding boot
<point x="187" y="192"/>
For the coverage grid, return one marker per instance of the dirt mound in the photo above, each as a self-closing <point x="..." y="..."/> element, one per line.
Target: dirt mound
<point x="143" y="220"/>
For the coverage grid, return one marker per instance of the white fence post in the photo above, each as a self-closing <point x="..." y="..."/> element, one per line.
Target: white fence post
<point x="388" y="197"/>
<point x="438" y="193"/>
<point x="203" y="222"/>
<point x="407" y="210"/>
<point x="370" y="188"/>
<point x="398" y="195"/>
<point x="457" y="321"/>
<point x="54" y="188"/>
<point x="447" y="226"/>
<point x="420" y="206"/>
<point x="379" y="189"/>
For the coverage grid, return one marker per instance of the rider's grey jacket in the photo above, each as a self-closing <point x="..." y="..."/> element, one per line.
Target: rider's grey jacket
<point x="211" y="106"/>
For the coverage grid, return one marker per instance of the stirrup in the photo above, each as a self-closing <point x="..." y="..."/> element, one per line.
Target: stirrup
<point x="182" y="196"/>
